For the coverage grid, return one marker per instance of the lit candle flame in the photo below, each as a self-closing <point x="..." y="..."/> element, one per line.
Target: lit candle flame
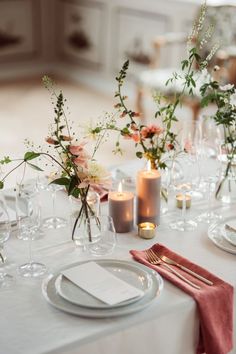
<point x="120" y="188"/>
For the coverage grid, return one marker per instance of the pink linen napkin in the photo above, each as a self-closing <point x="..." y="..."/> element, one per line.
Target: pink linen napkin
<point x="215" y="302"/>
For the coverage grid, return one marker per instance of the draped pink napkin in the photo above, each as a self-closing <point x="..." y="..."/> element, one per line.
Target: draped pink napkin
<point x="215" y="302"/>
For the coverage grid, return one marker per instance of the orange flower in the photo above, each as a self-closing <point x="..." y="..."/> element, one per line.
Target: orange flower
<point x="135" y="137"/>
<point x="147" y="132"/>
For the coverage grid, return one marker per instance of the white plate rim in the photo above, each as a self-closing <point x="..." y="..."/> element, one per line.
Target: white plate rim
<point x="129" y="266"/>
<point x="56" y="301"/>
<point x="228" y="247"/>
<point x="225" y="235"/>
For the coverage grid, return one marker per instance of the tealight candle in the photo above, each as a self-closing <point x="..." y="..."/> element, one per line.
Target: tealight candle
<point x="148" y="196"/>
<point x="121" y="209"/>
<point x="180" y="201"/>
<point x="146" y="230"/>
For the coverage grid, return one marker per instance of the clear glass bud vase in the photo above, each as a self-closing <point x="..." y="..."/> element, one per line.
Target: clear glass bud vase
<point x="81" y="213"/>
<point x="226" y="190"/>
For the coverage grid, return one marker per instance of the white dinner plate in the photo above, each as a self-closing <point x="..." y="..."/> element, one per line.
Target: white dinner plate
<point x="216" y="234"/>
<point x="51" y="295"/>
<point x="128" y="272"/>
<point x="229" y="234"/>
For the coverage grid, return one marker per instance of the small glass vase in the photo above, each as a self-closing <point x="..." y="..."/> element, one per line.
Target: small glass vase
<point x="81" y="213"/>
<point x="226" y="190"/>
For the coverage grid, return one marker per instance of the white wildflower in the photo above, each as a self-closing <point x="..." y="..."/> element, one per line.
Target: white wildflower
<point x="96" y="172"/>
<point x="226" y="87"/>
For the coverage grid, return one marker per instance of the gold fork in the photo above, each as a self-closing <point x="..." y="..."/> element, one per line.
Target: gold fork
<point x="154" y="259"/>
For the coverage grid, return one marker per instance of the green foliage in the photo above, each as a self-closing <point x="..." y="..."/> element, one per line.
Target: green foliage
<point x="5" y="160"/>
<point x="30" y="155"/>
<point x="62" y="181"/>
<point x="34" y="167"/>
<point x="139" y="154"/>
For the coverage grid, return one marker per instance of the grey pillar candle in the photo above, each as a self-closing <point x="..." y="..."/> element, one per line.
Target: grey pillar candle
<point x="148" y="196"/>
<point x="121" y="209"/>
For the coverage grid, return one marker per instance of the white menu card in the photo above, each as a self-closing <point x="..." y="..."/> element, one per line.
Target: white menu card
<point x="100" y="283"/>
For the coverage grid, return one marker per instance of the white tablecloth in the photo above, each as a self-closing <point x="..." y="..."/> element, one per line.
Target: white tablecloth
<point x="29" y="325"/>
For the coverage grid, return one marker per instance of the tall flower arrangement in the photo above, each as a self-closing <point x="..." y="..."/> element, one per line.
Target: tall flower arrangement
<point x="74" y="168"/>
<point x="225" y="116"/>
<point x="155" y="142"/>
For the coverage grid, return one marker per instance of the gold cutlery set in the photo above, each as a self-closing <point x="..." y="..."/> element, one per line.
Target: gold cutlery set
<point x="158" y="259"/>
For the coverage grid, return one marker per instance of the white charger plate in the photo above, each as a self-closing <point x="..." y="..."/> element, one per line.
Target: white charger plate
<point x="216" y="234"/>
<point x="52" y="296"/>
<point x="128" y="272"/>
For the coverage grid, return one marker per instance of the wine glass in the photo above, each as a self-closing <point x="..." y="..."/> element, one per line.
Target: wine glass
<point x="191" y="144"/>
<point x="210" y="216"/>
<point x="54" y="221"/>
<point x="6" y="280"/>
<point x="182" y="187"/>
<point x="28" y="220"/>
<point x="101" y="232"/>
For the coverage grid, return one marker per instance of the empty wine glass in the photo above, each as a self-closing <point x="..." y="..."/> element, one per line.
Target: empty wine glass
<point x="54" y="221"/>
<point x="6" y="280"/>
<point x="101" y="232"/>
<point x="210" y="216"/>
<point x="191" y="144"/>
<point x="183" y="187"/>
<point x="28" y="211"/>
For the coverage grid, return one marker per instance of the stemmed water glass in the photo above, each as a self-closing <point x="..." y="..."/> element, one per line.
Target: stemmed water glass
<point x="191" y="144"/>
<point x="210" y="216"/>
<point x="28" y="221"/>
<point x="6" y="280"/>
<point x="101" y="232"/>
<point x="54" y="221"/>
<point x="182" y="187"/>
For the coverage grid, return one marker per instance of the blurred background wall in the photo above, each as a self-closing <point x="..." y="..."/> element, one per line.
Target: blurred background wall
<point x="82" y="45"/>
<point x="88" y="40"/>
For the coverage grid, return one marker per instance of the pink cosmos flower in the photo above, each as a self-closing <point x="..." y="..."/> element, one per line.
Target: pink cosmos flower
<point x="135" y="137"/>
<point x="144" y="132"/>
<point x="149" y="131"/>
<point x="76" y="149"/>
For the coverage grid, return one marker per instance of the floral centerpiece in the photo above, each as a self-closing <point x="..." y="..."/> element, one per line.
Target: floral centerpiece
<point x="74" y="168"/>
<point x="224" y="97"/>
<point x="158" y="142"/>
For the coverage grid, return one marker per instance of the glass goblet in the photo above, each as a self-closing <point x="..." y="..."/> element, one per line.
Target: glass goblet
<point x="210" y="216"/>
<point x="183" y="188"/>
<point x="6" y="280"/>
<point x="28" y="228"/>
<point x="183" y="224"/>
<point x="54" y="221"/>
<point x="101" y="232"/>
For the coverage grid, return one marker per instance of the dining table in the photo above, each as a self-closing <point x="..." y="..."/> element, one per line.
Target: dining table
<point x="169" y="325"/>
